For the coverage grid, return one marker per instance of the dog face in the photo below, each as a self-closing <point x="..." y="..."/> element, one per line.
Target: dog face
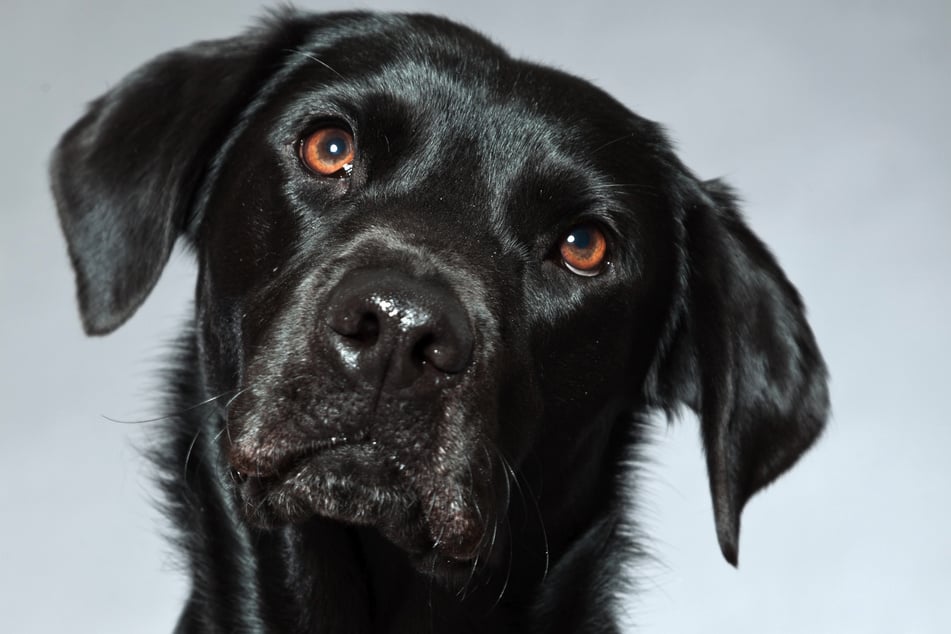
<point x="423" y="265"/>
<point x="411" y="319"/>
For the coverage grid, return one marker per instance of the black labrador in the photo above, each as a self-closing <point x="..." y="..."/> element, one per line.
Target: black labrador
<point x="439" y="291"/>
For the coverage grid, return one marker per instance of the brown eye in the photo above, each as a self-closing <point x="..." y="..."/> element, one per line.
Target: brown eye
<point x="328" y="151"/>
<point x="583" y="250"/>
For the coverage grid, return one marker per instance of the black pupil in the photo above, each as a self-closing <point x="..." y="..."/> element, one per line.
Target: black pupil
<point x="335" y="147"/>
<point x="580" y="238"/>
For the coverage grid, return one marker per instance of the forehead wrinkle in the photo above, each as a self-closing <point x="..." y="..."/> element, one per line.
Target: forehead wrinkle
<point x="442" y="113"/>
<point x="533" y="152"/>
<point x="476" y="131"/>
<point x="490" y="142"/>
<point x="445" y="116"/>
<point x="425" y="71"/>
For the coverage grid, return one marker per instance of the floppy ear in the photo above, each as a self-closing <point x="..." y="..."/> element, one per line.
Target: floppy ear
<point x="126" y="176"/>
<point x="743" y="357"/>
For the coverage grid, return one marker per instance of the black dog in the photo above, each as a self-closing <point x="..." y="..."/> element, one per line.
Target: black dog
<point x="439" y="290"/>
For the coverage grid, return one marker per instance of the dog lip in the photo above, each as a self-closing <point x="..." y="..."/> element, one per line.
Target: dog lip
<point x="320" y="484"/>
<point x="264" y="463"/>
<point x="465" y="547"/>
<point x="312" y="473"/>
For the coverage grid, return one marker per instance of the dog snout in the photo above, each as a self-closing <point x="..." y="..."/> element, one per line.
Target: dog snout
<point x="395" y="331"/>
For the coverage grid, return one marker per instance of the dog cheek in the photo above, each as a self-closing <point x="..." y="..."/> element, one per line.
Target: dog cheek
<point x="218" y="335"/>
<point x="453" y="476"/>
<point x="460" y="501"/>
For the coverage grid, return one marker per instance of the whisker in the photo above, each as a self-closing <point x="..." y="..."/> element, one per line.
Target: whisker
<point x="508" y="570"/>
<point x="182" y="412"/>
<point x="432" y="581"/>
<point x="442" y="533"/>
<point x="508" y="497"/>
<point x="538" y="511"/>
<point x="495" y="532"/>
<point x="629" y="135"/>
<point x="256" y="509"/>
<point x="432" y="504"/>
<point x="464" y="591"/>
<point x="188" y="455"/>
<point x="541" y="524"/>
<point x="314" y="58"/>
<point x="512" y="477"/>
<point x="235" y="397"/>
<point x="601" y="187"/>
<point x="226" y="424"/>
<point x="223" y="429"/>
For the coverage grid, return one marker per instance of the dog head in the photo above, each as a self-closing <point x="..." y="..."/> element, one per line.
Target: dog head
<point x="423" y="264"/>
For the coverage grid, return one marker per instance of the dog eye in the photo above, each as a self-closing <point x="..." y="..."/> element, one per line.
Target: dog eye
<point x="328" y="151"/>
<point x="583" y="250"/>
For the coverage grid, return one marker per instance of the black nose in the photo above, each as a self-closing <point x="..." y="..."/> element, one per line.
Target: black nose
<point x="395" y="331"/>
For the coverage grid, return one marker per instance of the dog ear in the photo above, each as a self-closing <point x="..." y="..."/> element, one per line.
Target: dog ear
<point x="126" y="176"/>
<point x="742" y="356"/>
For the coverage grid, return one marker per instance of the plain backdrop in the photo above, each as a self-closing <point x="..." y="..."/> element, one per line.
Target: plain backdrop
<point x="832" y="119"/>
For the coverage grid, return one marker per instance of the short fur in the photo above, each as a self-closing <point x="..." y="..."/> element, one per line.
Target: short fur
<point x="399" y="410"/>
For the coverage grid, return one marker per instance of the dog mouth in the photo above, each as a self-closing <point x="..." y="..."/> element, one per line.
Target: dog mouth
<point x="355" y="480"/>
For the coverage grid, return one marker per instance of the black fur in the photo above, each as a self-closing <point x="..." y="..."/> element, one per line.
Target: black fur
<point x="399" y="410"/>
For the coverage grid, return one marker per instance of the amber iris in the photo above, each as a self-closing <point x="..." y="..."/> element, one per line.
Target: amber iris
<point x="328" y="151"/>
<point x="583" y="250"/>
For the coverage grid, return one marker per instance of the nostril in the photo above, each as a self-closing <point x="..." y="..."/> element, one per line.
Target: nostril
<point x="359" y="326"/>
<point x="367" y="330"/>
<point x="447" y="352"/>
<point x="449" y="359"/>
<point x="391" y="330"/>
<point x="422" y="351"/>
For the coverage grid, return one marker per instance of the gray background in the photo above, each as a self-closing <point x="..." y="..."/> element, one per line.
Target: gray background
<point x="831" y="118"/>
